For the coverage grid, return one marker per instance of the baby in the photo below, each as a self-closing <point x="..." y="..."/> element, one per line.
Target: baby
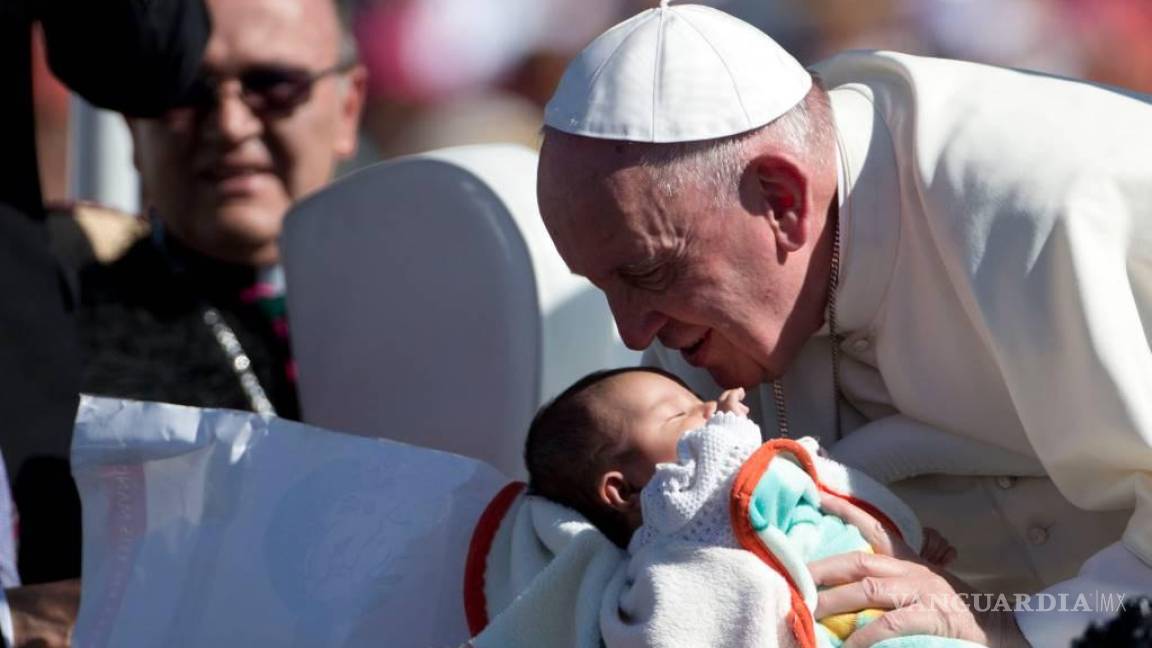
<point x="600" y="442"/>
<point x="597" y="444"/>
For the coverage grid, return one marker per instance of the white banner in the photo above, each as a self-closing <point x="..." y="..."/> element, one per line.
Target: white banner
<point x="211" y="527"/>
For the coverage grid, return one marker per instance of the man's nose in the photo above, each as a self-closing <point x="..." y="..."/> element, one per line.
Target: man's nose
<point x="233" y="121"/>
<point x="638" y="324"/>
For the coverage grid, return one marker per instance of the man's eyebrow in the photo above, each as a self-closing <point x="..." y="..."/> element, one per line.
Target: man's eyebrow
<point x="640" y="267"/>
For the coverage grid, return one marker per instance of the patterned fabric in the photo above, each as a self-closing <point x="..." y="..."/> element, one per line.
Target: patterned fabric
<point x="143" y="335"/>
<point x="689" y="498"/>
<point x="268" y="295"/>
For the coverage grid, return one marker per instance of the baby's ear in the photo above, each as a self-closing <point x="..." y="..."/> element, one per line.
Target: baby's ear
<point x="614" y="491"/>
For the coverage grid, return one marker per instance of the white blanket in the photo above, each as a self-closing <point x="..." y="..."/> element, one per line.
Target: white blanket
<point x="543" y="579"/>
<point x="220" y="528"/>
<point x="686" y="583"/>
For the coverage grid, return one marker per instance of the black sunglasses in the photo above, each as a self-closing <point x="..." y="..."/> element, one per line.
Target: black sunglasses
<point x="265" y="89"/>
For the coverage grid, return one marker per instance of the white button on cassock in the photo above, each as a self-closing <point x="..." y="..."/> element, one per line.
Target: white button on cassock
<point x="1005" y="482"/>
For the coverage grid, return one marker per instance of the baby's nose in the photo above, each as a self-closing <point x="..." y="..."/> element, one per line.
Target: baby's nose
<point x="709" y="408"/>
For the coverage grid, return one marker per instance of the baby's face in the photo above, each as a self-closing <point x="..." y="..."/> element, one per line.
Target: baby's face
<point x="652" y="413"/>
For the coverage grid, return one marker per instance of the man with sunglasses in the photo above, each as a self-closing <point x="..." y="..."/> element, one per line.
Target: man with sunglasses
<point x="193" y="314"/>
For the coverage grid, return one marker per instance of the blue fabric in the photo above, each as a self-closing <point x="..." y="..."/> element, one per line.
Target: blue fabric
<point x="787" y="499"/>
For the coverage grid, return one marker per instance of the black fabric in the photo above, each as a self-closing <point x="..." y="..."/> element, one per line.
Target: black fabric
<point x="71" y="247"/>
<point x="38" y="354"/>
<point x="20" y="180"/>
<point x="135" y="56"/>
<point x="50" y="521"/>
<point x="143" y="337"/>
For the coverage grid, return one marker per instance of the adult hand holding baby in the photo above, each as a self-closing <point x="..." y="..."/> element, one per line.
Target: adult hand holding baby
<point x="919" y="597"/>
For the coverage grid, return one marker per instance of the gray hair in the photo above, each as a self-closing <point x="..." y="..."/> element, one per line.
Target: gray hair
<point x="716" y="165"/>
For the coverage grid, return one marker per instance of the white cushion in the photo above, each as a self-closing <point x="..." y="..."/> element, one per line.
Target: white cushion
<point x="428" y="304"/>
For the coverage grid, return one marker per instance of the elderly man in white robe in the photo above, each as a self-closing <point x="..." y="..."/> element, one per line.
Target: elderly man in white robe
<point x="942" y="269"/>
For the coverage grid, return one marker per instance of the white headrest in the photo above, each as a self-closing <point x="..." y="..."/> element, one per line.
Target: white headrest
<point x="427" y="304"/>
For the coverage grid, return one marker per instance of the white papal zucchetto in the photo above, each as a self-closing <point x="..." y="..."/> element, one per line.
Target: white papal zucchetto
<point x="677" y="73"/>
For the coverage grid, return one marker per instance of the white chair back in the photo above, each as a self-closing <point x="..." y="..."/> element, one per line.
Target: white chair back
<point x="428" y="305"/>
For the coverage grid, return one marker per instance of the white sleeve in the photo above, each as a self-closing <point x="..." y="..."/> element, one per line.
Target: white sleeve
<point x="687" y="594"/>
<point x="1060" y="302"/>
<point x="1063" y="612"/>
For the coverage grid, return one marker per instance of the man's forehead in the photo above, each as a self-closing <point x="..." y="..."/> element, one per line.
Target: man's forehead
<point x="602" y="218"/>
<point x="599" y="240"/>
<point x="297" y="32"/>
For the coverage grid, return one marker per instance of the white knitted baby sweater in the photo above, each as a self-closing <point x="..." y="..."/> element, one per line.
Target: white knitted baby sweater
<point x="688" y="500"/>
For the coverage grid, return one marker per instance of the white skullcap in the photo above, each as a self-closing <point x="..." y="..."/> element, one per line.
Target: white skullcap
<point x="676" y="74"/>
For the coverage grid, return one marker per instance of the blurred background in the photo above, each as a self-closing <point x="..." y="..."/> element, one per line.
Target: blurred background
<point x="448" y="72"/>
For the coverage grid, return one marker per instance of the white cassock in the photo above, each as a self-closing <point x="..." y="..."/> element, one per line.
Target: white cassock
<point x="996" y="307"/>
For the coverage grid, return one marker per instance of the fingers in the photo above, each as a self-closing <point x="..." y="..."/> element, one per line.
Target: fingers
<point x="937" y="550"/>
<point x="920" y="600"/>
<point x="853" y="566"/>
<point x="737" y="393"/>
<point x="900" y="623"/>
<point x="943" y="559"/>
<point x="43" y="615"/>
<point x="731" y="401"/>
<point x="867" y="593"/>
<point x="875" y="534"/>
<point x="730" y="397"/>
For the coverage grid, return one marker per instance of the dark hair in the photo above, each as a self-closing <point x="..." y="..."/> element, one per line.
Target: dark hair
<point x="567" y="450"/>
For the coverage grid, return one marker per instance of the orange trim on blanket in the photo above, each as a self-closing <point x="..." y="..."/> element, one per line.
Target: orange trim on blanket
<point x="475" y="603"/>
<point x="799" y="617"/>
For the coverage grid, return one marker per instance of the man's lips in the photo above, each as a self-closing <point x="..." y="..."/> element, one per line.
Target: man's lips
<point x="693" y="352"/>
<point x="220" y="172"/>
<point x="235" y="179"/>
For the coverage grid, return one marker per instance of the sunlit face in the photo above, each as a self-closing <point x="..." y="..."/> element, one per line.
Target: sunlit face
<point x="649" y="413"/>
<point x="705" y="280"/>
<point x="221" y="177"/>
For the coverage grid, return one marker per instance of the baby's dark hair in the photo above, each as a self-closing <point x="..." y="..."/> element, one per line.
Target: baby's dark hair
<point x="565" y="455"/>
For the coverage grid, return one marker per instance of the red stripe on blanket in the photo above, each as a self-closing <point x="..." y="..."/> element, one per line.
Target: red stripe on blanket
<point x="799" y="617"/>
<point x="475" y="604"/>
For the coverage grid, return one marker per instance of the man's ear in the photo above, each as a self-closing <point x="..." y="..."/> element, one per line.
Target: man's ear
<point x="351" y="106"/>
<point x="615" y="491"/>
<point x="784" y="197"/>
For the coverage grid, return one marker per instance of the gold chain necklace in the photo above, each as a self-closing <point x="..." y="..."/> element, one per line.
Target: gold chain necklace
<point x="833" y="338"/>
